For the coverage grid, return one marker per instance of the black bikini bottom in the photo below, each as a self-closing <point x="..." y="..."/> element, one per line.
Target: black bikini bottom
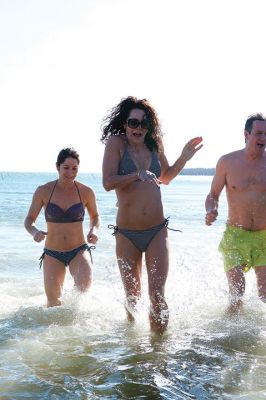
<point x="65" y="256"/>
<point x="142" y="238"/>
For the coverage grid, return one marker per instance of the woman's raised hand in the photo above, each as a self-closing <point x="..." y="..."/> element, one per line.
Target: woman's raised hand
<point x="191" y="147"/>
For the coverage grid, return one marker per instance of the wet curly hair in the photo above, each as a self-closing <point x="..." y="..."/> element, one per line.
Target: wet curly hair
<point x="113" y="124"/>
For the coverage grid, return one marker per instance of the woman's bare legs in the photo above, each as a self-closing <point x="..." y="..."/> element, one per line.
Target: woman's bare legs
<point x="157" y="262"/>
<point x="129" y="260"/>
<point x="81" y="271"/>
<point x="54" y="273"/>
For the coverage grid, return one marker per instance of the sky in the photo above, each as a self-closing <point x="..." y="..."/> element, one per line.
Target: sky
<point x="65" y="63"/>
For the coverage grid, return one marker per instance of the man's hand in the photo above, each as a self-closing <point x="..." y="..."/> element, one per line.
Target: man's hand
<point x="211" y="216"/>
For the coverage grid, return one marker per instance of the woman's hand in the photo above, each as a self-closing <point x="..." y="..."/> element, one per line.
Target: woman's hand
<point x="39" y="236"/>
<point x="148" y="176"/>
<point x="191" y="147"/>
<point x="92" y="237"/>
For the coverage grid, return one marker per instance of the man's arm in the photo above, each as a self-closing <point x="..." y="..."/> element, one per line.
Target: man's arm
<point x="212" y="199"/>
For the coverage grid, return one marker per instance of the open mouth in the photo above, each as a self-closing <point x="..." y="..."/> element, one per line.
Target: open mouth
<point x="261" y="145"/>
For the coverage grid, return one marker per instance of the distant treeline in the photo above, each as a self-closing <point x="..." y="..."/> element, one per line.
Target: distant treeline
<point x="198" y="171"/>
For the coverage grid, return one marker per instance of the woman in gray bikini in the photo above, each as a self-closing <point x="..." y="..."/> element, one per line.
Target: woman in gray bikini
<point x="135" y="165"/>
<point x="64" y="201"/>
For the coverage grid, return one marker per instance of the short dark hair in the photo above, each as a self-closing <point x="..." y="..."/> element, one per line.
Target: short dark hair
<point x="251" y="119"/>
<point x="113" y="124"/>
<point x="66" y="153"/>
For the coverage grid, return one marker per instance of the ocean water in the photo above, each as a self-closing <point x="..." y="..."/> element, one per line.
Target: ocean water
<point x="86" y="349"/>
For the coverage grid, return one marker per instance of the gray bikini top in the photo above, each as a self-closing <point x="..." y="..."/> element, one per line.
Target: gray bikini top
<point x="127" y="165"/>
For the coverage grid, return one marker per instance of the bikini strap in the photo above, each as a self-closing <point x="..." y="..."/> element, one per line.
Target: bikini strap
<point x="114" y="227"/>
<point x="41" y="259"/>
<point x="52" y="191"/>
<point x="125" y="151"/>
<point x="166" y="222"/>
<point x="89" y="248"/>
<point x="78" y="191"/>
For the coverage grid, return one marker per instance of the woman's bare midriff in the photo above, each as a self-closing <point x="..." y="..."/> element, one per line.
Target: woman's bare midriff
<point x="64" y="237"/>
<point x="139" y="206"/>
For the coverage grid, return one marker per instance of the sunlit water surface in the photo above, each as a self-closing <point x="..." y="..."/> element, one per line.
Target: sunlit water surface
<point x="86" y="349"/>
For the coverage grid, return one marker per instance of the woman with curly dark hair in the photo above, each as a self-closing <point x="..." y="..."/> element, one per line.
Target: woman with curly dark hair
<point x="135" y="165"/>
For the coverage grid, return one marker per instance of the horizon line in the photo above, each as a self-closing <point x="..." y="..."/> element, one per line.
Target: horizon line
<point x="93" y="172"/>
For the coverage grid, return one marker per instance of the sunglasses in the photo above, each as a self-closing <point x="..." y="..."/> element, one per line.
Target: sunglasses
<point x="134" y="123"/>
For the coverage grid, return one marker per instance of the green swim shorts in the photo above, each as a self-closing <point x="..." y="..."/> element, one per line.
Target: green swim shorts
<point x="242" y="247"/>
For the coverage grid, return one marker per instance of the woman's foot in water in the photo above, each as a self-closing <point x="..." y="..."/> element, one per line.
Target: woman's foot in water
<point x="159" y="321"/>
<point x="131" y="308"/>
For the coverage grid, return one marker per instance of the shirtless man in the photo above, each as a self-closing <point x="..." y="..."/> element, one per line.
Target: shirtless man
<point x="243" y="245"/>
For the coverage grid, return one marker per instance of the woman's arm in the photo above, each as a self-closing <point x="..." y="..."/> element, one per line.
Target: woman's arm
<point x="170" y="172"/>
<point x="91" y="206"/>
<point x="34" y="210"/>
<point x="111" y="159"/>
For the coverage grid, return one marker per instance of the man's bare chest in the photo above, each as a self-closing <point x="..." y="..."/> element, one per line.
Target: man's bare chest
<point x="247" y="180"/>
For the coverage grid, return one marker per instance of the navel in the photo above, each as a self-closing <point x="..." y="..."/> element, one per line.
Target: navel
<point x="144" y="212"/>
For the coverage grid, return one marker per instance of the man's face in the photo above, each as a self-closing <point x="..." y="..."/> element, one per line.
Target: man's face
<point x="257" y="137"/>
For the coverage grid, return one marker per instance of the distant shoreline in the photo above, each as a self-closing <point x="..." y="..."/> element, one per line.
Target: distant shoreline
<point x="185" y="171"/>
<point x="198" y="171"/>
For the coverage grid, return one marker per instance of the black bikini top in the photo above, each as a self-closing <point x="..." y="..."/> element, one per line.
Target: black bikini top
<point x="127" y="165"/>
<point x="54" y="213"/>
